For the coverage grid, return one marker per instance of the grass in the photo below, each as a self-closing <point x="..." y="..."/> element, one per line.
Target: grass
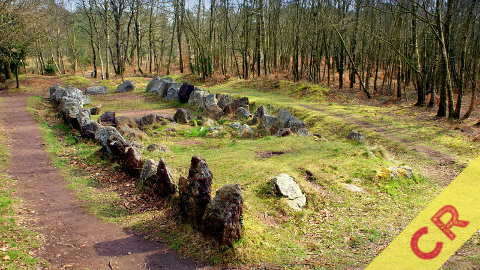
<point x="338" y="229"/>
<point x="17" y="243"/>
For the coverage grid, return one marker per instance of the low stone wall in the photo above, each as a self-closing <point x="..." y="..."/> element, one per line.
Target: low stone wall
<point x="220" y="217"/>
<point x="219" y="105"/>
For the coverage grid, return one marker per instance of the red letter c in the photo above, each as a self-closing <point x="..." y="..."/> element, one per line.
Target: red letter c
<point x="424" y="255"/>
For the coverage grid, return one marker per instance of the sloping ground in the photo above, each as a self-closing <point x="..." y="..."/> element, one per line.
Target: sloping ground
<point x="74" y="238"/>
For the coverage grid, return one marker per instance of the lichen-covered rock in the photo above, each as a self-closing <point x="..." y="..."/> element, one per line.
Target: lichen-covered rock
<point x="267" y="123"/>
<point x="82" y="118"/>
<point x="401" y="171"/>
<point x="112" y="141"/>
<point x="126" y="86"/>
<point x="164" y="184"/>
<point x="69" y="108"/>
<point x="96" y="90"/>
<point x="286" y="120"/>
<point x="107" y="119"/>
<point x="157" y="147"/>
<point x="172" y="92"/>
<point x="224" y="100"/>
<point x="56" y="92"/>
<point x="149" y="169"/>
<point x="125" y="121"/>
<point x="355" y="136"/>
<point x="210" y="102"/>
<point x="197" y="99"/>
<point x="131" y="133"/>
<point x="185" y="91"/>
<point x="195" y="191"/>
<point x="224" y="215"/>
<point x="242" y="113"/>
<point x="89" y="129"/>
<point x="286" y="186"/>
<point x="182" y="116"/>
<point x="132" y="161"/>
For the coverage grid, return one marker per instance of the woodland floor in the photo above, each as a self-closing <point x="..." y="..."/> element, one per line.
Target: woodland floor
<point x="338" y="230"/>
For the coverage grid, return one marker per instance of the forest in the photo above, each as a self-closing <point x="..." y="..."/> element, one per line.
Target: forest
<point x="378" y="47"/>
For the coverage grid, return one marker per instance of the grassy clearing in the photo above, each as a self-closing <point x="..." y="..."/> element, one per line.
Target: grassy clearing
<point x="334" y="221"/>
<point x="17" y="244"/>
<point x="338" y="229"/>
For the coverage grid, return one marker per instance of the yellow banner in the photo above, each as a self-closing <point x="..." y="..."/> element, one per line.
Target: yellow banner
<point x="440" y="229"/>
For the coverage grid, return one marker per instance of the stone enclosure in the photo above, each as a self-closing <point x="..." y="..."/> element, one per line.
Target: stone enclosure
<point x="219" y="218"/>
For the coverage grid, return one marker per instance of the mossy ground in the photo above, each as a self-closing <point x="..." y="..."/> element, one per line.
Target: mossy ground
<point x="338" y="229"/>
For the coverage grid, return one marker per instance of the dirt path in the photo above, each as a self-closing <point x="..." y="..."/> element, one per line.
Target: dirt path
<point x="74" y="238"/>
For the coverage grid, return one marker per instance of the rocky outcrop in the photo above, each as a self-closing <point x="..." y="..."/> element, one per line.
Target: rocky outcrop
<point x="96" y="90"/>
<point x="242" y="113"/>
<point x="126" y="86"/>
<point x="286" y="186"/>
<point x="172" y="92"/>
<point x="195" y="192"/>
<point x="223" y="217"/>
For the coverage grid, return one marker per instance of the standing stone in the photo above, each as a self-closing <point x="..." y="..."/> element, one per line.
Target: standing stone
<point x="164" y="185"/>
<point x="185" y="92"/>
<point x="132" y="161"/>
<point x="126" y="86"/>
<point x="195" y="191"/>
<point x="224" y="215"/>
<point x="182" y="116"/>
<point x="149" y="169"/>
<point x="96" y="90"/>
<point x="107" y="119"/>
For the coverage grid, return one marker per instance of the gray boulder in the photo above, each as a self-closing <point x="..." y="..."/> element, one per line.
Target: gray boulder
<point x="172" y="93"/>
<point x="149" y="169"/>
<point x="89" y="129"/>
<point x="107" y="119"/>
<point x="355" y="136"/>
<point x="210" y="101"/>
<point x="182" y="116"/>
<point x="96" y="90"/>
<point x="159" y="85"/>
<point x="224" y="100"/>
<point x="197" y="99"/>
<point x="267" y="123"/>
<point x="224" y="215"/>
<point x="126" y="86"/>
<point x="185" y="91"/>
<point x="286" y="120"/>
<point x="242" y="113"/>
<point x="286" y="186"/>
<point x="56" y="92"/>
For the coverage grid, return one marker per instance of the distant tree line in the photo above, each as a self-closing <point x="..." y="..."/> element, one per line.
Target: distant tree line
<point x="380" y="47"/>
